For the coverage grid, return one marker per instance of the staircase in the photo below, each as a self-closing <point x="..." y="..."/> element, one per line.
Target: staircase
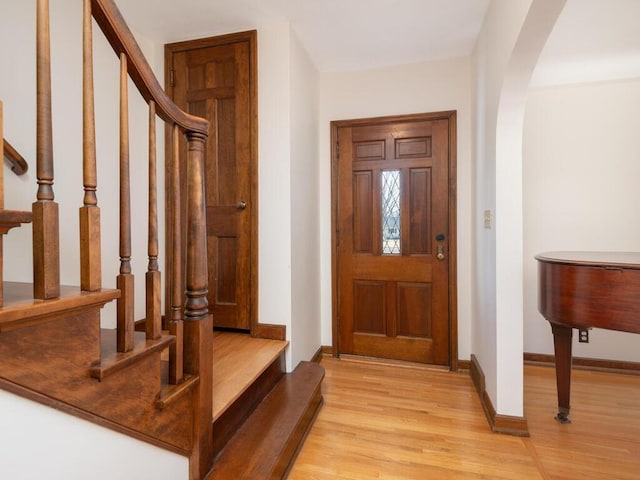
<point x="155" y="385"/>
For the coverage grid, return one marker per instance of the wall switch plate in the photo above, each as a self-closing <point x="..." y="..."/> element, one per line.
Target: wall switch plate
<point x="488" y="219"/>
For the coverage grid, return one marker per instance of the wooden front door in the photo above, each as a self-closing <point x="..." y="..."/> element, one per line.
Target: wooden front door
<point x="393" y="242"/>
<point x="215" y="78"/>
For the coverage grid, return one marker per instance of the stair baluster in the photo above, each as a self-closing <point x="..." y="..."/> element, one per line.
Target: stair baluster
<point x="176" y="326"/>
<point x="90" y="243"/>
<point x="46" y="238"/>
<point x="153" y="323"/>
<point x="125" y="280"/>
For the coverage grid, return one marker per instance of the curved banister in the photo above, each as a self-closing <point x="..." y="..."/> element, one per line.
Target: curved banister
<point x="115" y="29"/>
<point x="18" y="164"/>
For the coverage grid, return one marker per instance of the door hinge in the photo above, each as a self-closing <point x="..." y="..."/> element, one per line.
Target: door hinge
<point x="172" y="81"/>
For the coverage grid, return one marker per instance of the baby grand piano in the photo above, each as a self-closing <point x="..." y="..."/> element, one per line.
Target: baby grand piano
<point x="583" y="290"/>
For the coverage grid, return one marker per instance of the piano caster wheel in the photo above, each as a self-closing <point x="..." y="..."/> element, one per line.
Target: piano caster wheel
<point x="563" y="418"/>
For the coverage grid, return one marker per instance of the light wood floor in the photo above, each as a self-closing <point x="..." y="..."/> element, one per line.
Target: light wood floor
<point x="238" y="359"/>
<point x="403" y="423"/>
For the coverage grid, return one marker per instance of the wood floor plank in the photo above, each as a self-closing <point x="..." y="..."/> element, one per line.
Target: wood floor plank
<point x="391" y="422"/>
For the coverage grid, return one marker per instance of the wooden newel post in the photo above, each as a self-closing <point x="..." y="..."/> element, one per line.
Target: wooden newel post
<point x="196" y="306"/>
<point x="198" y="324"/>
<point x="46" y="236"/>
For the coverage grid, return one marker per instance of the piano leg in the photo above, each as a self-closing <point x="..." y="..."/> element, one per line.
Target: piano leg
<point x="562" y="345"/>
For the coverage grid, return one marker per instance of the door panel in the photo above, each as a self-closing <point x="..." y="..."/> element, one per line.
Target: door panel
<point x="211" y="78"/>
<point x="392" y="217"/>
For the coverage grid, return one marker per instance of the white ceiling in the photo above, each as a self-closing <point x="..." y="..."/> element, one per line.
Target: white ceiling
<point x="337" y="34"/>
<point x="593" y="39"/>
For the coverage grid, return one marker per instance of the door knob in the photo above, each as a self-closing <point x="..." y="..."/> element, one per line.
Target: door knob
<point x="440" y="253"/>
<point x="241" y="205"/>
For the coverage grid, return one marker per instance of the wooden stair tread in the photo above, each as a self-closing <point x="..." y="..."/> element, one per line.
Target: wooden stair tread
<point x="169" y="394"/>
<point x="266" y="444"/>
<point x="234" y="415"/>
<point x="13" y="218"/>
<point x="9" y="217"/>
<point x="239" y="360"/>
<point x="113" y="361"/>
<point x="20" y="308"/>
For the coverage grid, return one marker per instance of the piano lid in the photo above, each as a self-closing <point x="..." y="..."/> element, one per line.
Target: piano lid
<point x="594" y="259"/>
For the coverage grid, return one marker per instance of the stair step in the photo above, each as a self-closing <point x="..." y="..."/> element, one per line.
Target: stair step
<point x="113" y="361"/>
<point x="169" y="394"/>
<point x="227" y="423"/>
<point x="275" y="430"/>
<point x="13" y="218"/>
<point x="20" y="309"/>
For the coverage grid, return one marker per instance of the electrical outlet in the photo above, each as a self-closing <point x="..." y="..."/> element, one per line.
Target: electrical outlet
<point x="583" y="336"/>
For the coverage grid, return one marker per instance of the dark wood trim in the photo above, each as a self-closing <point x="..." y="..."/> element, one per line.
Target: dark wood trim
<point x="335" y="321"/>
<point x="507" y="424"/>
<point x="582" y="363"/>
<point x="271" y="332"/>
<point x="253" y="117"/>
<point x="453" y="241"/>
<point x="251" y="37"/>
<point x="477" y="375"/>
<point x="464" y="364"/>
<point x="451" y="116"/>
<point x="327" y="349"/>
<point x="317" y="357"/>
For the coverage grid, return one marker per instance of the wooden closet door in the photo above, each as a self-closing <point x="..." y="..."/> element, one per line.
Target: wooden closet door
<point x="213" y="81"/>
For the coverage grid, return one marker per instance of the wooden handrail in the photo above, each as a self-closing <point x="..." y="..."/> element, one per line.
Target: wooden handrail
<point x="18" y="164"/>
<point x="115" y="29"/>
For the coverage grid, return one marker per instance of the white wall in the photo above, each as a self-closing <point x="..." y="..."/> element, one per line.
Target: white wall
<point x="581" y="165"/>
<point x="305" y="223"/>
<point x="288" y="218"/>
<point x="40" y="442"/>
<point x="417" y="88"/>
<point x="274" y="178"/>
<point x="511" y="39"/>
